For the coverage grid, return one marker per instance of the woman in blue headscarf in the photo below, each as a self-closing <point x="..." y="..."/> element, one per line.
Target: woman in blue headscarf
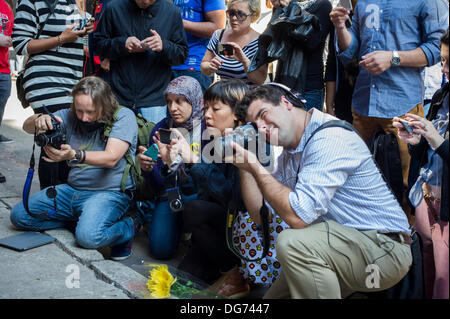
<point x="173" y="186"/>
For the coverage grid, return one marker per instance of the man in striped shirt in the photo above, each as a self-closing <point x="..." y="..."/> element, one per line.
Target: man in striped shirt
<point x="348" y="233"/>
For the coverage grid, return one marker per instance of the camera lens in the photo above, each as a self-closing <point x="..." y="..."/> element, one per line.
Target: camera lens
<point x="176" y="205"/>
<point x="41" y="140"/>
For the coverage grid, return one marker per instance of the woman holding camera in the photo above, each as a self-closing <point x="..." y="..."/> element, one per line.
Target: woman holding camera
<point x="230" y="51"/>
<point x="173" y="186"/>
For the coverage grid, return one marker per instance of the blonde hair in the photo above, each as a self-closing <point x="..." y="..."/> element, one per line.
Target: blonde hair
<point x="253" y="5"/>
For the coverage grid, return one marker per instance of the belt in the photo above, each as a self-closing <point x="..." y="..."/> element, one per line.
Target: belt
<point x="402" y="238"/>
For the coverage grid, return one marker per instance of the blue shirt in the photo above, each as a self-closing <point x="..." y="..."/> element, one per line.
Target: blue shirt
<point x="394" y="25"/>
<point x="194" y="10"/>
<point x="338" y="180"/>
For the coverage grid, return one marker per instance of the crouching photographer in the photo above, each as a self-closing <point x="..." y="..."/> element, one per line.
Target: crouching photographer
<point x="92" y="196"/>
<point x="347" y="231"/>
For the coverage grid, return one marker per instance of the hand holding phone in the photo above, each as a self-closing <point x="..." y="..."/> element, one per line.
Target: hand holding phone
<point x="347" y="4"/>
<point x="82" y="24"/>
<point x="152" y="152"/>
<point x="407" y="127"/>
<point x="225" y="49"/>
<point x="164" y="136"/>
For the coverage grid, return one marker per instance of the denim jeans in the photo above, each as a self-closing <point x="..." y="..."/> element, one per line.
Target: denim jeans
<point x="5" y="92"/>
<point x="154" y="113"/>
<point x="314" y="98"/>
<point x="205" y="81"/>
<point x="101" y="215"/>
<point x="165" y="228"/>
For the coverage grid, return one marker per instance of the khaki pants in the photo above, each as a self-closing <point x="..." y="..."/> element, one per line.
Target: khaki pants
<point x="367" y="126"/>
<point x="328" y="260"/>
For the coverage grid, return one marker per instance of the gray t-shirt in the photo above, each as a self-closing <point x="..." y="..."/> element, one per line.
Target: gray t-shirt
<point x="94" y="178"/>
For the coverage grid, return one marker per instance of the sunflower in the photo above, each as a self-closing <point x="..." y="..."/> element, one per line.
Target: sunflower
<point x="160" y="281"/>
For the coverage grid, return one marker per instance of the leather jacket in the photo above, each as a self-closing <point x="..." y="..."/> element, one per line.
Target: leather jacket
<point x="284" y="40"/>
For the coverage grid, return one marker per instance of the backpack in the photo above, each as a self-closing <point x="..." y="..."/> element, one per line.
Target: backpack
<point x="143" y="191"/>
<point x="386" y="154"/>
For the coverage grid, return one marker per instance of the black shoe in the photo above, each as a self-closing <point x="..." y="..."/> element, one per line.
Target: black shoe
<point x="138" y="220"/>
<point x="5" y="140"/>
<point x="2" y="178"/>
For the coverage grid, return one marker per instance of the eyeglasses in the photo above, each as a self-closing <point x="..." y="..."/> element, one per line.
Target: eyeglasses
<point x="238" y="14"/>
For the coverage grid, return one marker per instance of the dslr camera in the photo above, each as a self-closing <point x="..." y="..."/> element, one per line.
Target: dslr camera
<point x="247" y="136"/>
<point x="54" y="137"/>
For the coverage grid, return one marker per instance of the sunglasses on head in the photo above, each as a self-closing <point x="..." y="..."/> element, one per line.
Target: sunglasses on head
<point x="240" y="15"/>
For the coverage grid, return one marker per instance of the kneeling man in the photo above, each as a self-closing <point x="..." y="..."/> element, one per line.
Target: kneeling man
<point x="348" y="233"/>
<point x="92" y="196"/>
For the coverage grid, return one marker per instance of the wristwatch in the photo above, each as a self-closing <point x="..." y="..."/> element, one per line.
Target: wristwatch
<point x="75" y="161"/>
<point x="395" y="61"/>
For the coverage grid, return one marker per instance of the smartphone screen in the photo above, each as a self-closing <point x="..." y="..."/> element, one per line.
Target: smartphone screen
<point x="152" y="152"/>
<point x="225" y="49"/>
<point x="164" y="135"/>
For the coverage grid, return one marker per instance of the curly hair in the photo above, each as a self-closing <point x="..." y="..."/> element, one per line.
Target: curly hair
<point x="103" y="98"/>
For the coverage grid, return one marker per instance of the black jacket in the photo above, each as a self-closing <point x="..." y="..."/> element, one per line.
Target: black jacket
<point x="139" y="79"/>
<point x="285" y="39"/>
<point x="419" y="153"/>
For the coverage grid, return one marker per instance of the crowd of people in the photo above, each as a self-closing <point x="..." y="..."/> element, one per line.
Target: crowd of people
<point x="311" y="213"/>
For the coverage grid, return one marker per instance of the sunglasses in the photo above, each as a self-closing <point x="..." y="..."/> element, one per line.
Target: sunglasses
<point x="238" y="14"/>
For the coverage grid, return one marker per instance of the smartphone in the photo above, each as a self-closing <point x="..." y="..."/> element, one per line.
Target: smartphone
<point x="152" y="152"/>
<point x="82" y="25"/>
<point x="347" y="4"/>
<point x="407" y="127"/>
<point x="164" y="135"/>
<point x="225" y="49"/>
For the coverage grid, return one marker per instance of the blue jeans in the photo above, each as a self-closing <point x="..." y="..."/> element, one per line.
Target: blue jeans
<point x="205" y="81"/>
<point x="154" y="113"/>
<point x="101" y="215"/>
<point x="165" y="228"/>
<point x="5" y="92"/>
<point x="314" y="98"/>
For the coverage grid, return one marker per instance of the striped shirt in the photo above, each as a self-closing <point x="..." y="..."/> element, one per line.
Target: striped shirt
<point x="232" y="68"/>
<point x="49" y="75"/>
<point x="338" y="180"/>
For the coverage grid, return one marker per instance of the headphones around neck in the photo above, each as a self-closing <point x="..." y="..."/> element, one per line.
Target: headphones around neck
<point x="292" y="96"/>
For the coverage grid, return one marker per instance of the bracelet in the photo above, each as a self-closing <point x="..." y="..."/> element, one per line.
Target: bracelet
<point x="83" y="156"/>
